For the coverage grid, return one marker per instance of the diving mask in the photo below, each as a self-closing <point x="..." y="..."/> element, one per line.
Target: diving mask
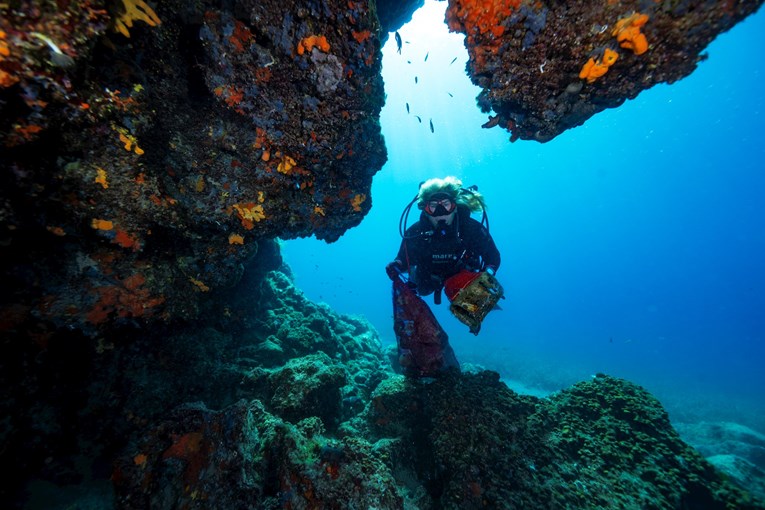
<point x="440" y="207"/>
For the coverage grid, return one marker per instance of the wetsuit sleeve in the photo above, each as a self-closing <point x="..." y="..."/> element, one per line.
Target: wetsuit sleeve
<point x="490" y="253"/>
<point x="483" y="245"/>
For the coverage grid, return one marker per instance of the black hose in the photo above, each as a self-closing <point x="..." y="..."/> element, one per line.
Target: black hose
<point x="405" y="218"/>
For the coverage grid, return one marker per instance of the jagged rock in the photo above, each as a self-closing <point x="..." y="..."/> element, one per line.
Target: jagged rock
<point x="244" y="457"/>
<point x="145" y="175"/>
<point x="744" y="473"/>
<point x="720" y="438"/>
<point x="74" y="398"/>
<point x="732" y="448"/>
<point x="309" y="386"/>
<point x="395" y="13"/>
<point x="528" y="56"/>
<point x="606" y="443"/>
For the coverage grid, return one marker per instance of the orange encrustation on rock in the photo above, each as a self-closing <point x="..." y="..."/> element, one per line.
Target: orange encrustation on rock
<point x="100" y="224"/>
<point x="628" y="34"/>
<point x="249" y="213"/>
<point x="479" y="17"/>
<point x="311" y="42"/>
<point x="597" y="67"/>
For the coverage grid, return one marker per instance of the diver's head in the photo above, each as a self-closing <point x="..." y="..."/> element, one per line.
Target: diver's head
<point x="450" y="187"/>
<point x="438" y="199"/>
<point x="440" y="209"/>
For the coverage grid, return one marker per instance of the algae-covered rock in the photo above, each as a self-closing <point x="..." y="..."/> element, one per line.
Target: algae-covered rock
<point x="618" y="446"/>
<point x="734" y="449"/>
<point x="146" y="173"/>
<point x="244" y="457"/>
<point x="605" y="443"/>
<point x="94" y="397"/>
<point x="719" y="438"/>
<point x="290" y="326"/>
<point x="741" y="471"/>
<point x="309" y="386"/>
<point x="547" y="66"/>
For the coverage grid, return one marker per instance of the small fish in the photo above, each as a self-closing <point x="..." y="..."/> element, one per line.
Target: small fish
<point x="398" y="42"/>
<point x="453" y="61"/>
<point x="426" y="56"/>
<point x="450" y="94"/>
<point x="408" y="61"/>
<point x="418" y="119"/>
<point x="431" y="126"/>
<point x="407" y="107"/>
<point x="415" y="79"/>
<point x="493" y="121"/>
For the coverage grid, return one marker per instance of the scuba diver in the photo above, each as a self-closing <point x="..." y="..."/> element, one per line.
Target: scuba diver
<point x="445" y="250"/>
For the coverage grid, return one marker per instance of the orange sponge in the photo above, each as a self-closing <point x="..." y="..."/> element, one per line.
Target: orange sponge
<point x="627" y="33"/>
<point x="595" y="68"/>
<point x="308" y="43"/>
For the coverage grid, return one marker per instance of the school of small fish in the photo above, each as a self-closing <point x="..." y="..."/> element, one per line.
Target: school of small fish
<point x="399" y="44"/>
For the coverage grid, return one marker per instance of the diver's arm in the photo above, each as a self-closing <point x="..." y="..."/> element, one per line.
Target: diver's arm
<point x="401" y="255"/>
<point x="397" y="266"/>
<point x="411" y="247"/>
<point x="485" y="247"/>
<point x="490" y="255"/>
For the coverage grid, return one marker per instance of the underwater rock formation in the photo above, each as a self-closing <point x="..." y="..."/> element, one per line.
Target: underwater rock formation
<point x="733" y="448"/>
<point x="395" y="13"/>
<point x="150" y="151"/>
<point x="70" y="407"/>
<point x="149" y="333"/>
<point x="280" y="402"/>
<point x="148" y="154"/>
<point x="545" y="67"/>
<point x="604" y="443"/>
<point x="244" y="457"/>
<point x="462" y="441"/>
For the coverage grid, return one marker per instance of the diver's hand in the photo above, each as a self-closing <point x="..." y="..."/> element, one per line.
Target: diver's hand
<point x="394" y="269"/>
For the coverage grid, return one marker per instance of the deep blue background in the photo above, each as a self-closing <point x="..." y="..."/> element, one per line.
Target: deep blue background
<point x="633" y="245"/>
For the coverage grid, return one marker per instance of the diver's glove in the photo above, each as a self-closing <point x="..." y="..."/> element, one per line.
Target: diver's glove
<point x="394" y="269"/>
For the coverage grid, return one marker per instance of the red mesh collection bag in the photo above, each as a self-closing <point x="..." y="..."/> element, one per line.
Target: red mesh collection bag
<point x="421" y="339"/>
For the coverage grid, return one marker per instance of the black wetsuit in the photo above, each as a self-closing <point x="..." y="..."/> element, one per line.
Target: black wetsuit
<point x="433" y="254"/>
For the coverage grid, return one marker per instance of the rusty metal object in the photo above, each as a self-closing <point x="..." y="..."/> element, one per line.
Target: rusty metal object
<point x="473" y="303"/>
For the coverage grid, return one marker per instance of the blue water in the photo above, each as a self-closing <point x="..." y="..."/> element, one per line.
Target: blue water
<point x="633" y="245"/>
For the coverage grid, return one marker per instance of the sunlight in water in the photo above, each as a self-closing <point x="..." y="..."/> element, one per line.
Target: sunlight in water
<point x="429" y="75"/>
